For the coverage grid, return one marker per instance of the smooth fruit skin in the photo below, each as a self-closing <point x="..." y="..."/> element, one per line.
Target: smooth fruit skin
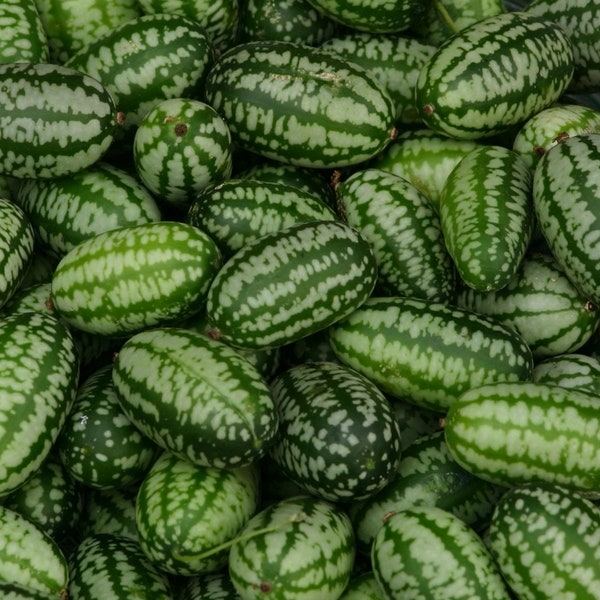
<point x="493" y="75"/>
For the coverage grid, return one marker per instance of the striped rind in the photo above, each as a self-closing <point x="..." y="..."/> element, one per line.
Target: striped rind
<point x="24" y="38"/>
<point x="521" y="432"/>
<point x="219" y="415"/>
<point x="110" y="511"/>
<point x="550" y="127"/>
<point x="486" y="216"/>
<point x="209" y="586"/>
<point x="426" y="552"/>
<point x="541" y="304"/>
<point x="433" y="26"/>
<point x="314" y="182"/>
<point x="39" y="372"/>
<point x="181" y="147"/>
<point x="405" y="232"/>
<point x="383" y="16"/>
<point x="130" y="278"/>
<point x="15" y="591"/>
<point x="308" y="554"/>
<point x="428" y="353"/>
<point x="219" y="18"/>
<point x="98" y="445"/>
<point x="300" y="105"/>
<point x="395" y="60"/>
<point x="240" y="210"/>
<point x="111" y="566"/>
<point x="566" y="185"/>
<point x="338" y="437"/>
<point x="286" y="20"/>
<point x="55" y="120"/>
<point x="494" y="74"/>
<point x="17" y="241"/>
<point x="64" y="211"/>
<point x="363" y="587"/>
<point x="427" y="476"/>
<point x="72" y="25"/>
<point x="184" y="511"/>
<point x="570" y="370"/>
<point x="29" y="557"/>
<point x="546" y="542"/>
<point x="50" y="499"/>
<point x="580" y="20"/>
<point x="425" y="158"/>
<point x="289" y="284"/>
<point x="146" y="60"/>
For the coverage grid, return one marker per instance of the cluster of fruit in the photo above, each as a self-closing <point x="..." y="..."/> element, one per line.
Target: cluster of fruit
<point x="298" y="299"/>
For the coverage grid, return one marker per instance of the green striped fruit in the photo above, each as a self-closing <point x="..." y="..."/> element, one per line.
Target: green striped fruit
<point x="146" y="60"/>
<point x="414" y="421"/>
<point x="98" y="445"/>
<point x="110" y="511"/>
<point x="219" y="415"/>
<point x="493" y="75"/>
<point x="565" y="198"/>
<point x="36" y="298"/>
<point x="428" y="353"/>
<point x="184" y="513"/>
<point x="55" y="120"/>
<point x="300" y="105"/>
<point x="24" y="38"/>
<point x="72" y="25"/>
<point x="267" y="362"/>
<point x="541" y="304"/>
<point x="338" y="437"/>
<point x="39" y="381"/>
<point x="127" y="279"/>
<point x="50" y="499"/>
<point x="301" y="548"/>
<point x="363" y="587"/>
<point x="111" y="566"/>
<point x="395" y="60"/>
<point x="580" y="21"/>
<point x="29" y="557"/>
<point x="181" y="147"/>
<point x="209" y="586"/>
<point x="405" y="232"/>
<point x="67" y="210"/>
<point x="289" y="284"/>
<point x="552" y="126"/>
<point x="285" y="20"/>
<point x="17" y="241"/>
<point x="14" y="591"/>
<point x="570" y="370"/>
<point x="381" y="17"/>
<point x="521" y="432"/>
<point x="437" y="22"/>
<point x="425" y="158"/>
<point x="486" y="216"/>
<point x="238" y="211"/>
<point x="427" y="476"/>
<point x="545" y="541"/>
<point x="427" y="552"/>
<point x="308" y="180"/>
<point x="219" y="18"/>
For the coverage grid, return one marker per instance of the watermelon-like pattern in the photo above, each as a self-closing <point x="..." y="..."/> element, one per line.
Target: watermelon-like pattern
<point x="300" y="548"/>
<point x="493" y="75"/>
<point x="301" y="105"/>
<point x="123" y="280"/>
<point x="55" y="120"/>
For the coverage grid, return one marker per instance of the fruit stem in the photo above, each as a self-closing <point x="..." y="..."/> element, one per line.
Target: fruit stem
<point x="295" y="518"/>
<point x="445" y="16"/>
